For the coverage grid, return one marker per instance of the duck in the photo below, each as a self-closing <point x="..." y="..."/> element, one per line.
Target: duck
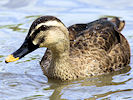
<point x="78" y="51"/>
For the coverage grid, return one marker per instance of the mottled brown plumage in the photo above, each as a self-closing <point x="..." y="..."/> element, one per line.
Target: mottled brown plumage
<point x="95" y="48"/>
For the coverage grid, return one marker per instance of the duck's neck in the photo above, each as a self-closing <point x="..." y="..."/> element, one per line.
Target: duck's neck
<point x="60" y="67"/>
<point x="60" y="61"/>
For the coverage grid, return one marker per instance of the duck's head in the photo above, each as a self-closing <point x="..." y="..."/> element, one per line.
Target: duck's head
<point x="46" y="31"/>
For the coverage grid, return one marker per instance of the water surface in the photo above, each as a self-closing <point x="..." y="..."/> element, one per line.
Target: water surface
<point x="24" y="80"/>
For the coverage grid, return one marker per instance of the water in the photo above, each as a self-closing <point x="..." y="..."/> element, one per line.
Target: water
<point x="24" y="80"/>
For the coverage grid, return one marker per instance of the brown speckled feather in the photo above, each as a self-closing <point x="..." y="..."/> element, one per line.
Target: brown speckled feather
<point x="95" y="48"/>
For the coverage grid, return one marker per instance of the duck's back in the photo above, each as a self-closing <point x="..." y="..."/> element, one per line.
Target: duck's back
<point x="100" y="49"/>
<point x="95" y="48"/>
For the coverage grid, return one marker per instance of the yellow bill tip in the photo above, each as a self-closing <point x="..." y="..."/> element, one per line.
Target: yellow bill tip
<point x="10" y="58"/>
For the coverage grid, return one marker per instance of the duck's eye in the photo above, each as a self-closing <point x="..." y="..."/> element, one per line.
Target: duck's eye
<point x="43" y="28"/>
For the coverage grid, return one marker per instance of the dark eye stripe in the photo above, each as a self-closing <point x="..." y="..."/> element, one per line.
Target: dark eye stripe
<point x="42" y="28"/>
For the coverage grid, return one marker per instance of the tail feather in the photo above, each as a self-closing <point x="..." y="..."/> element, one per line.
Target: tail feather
<point x="119" y="24"/>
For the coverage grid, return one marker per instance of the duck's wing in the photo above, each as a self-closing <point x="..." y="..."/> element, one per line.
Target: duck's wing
<point x="104" y="43"/>
<point x="77" y="28"/>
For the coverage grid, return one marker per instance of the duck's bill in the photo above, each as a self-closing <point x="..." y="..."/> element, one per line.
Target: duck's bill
<point x="26" y="48"/>
<point x="11" y="58"/>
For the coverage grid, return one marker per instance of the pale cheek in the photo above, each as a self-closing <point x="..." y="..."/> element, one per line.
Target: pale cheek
<point x="51" y="39"/>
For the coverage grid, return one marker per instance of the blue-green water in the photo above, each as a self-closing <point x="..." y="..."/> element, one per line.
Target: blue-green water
<point x="24" y="80"/>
